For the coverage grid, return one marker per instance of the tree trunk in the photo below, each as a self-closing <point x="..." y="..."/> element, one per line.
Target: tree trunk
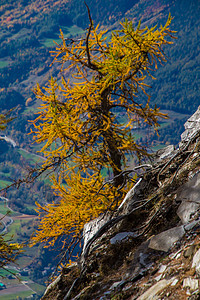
<point x="111" y="142"/>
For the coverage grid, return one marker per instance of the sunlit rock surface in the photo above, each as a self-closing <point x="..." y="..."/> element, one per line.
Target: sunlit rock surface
<point x="191" y="127"/>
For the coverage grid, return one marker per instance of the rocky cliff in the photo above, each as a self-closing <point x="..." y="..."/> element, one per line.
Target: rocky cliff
<point x="150" y="247"/>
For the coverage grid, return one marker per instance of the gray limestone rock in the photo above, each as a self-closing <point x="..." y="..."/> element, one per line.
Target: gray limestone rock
<point x="189" y="194"/>
<point x="155" y="289"/>
<point x="163" y="153"/>
<point x="91" y="228"/>
<point x="122" y="236"/>
<point x="185" y="210"/>
<point x="191" y="225"/>
<point x="175" y="281"/>
<point x="192" y="283"/>
<point x="164" y="240"/>
<point x="162" y="269"/>
<point x="191" y="126"/>
<point x="196" y="261"/>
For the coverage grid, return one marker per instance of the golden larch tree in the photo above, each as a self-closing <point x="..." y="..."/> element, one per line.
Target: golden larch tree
<point x="78" y="126"/>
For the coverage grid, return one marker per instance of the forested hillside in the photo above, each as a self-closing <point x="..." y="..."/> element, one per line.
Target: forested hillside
<point x="29" y="28"/>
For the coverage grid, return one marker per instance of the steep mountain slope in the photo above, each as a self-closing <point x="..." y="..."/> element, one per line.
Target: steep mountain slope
<point x="149" y="249"/>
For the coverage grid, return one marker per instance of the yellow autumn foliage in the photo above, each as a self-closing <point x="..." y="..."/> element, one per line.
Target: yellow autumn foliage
<point x="81" y="200"/>
<point x="78" y="126"/>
